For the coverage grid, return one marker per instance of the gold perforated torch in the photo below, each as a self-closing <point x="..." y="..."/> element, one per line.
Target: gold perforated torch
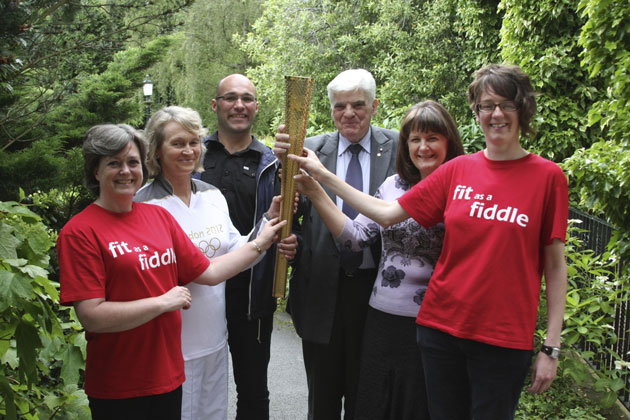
<point x="297" y="101"/>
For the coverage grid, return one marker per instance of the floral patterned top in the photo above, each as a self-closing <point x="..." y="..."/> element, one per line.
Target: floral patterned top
<point x="408" y="255"/>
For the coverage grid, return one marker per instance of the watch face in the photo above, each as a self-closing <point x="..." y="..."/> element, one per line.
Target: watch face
<point x="552" y="352"/>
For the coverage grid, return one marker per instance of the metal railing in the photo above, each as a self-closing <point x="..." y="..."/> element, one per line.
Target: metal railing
<point x="595" y="236"/>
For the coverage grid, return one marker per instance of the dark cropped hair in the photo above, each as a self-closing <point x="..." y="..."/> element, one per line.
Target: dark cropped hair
<point x="108" y="140"/>
<point x="510" y="82"/>
<point x="426" y="116"/>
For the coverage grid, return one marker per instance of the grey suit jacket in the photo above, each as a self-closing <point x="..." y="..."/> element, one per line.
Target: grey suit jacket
<point x="314" y="279"/>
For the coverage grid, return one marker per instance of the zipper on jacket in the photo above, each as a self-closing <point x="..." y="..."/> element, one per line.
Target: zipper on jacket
<point x="251" y="271"/>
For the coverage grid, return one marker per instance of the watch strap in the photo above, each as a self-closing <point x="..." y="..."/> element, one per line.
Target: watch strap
<point x="553" y="352"/>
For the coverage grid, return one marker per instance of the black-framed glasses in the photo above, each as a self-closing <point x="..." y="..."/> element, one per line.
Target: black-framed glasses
<point x="231" y="98"/>
<point x="487" y="107"/>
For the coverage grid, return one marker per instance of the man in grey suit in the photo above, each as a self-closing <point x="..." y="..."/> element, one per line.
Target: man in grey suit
<point x="329" y="289"/>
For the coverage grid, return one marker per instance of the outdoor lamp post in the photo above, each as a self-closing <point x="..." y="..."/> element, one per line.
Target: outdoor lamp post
<point x="147" y="88"/>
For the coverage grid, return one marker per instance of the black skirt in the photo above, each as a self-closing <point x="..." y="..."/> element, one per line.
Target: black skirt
<point x="391" y="379"/>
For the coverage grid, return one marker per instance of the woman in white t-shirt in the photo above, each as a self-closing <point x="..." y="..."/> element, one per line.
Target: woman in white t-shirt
<point x="175" y="152"/>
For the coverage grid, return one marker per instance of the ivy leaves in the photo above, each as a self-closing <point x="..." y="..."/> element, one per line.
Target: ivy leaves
<point x="41" y="355"/>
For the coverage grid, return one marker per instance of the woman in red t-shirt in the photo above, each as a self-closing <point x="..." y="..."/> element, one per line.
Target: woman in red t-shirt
<point x="505" y="212"/>
<point x="123" y="266"/>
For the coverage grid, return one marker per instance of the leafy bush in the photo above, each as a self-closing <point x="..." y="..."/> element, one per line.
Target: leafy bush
<point x="537" y="35"/>
<point x="59" y="205"/>
<point x="473" y="137"/>
<point x="595" y="291"/>
<point x="416" y="50"/>
<point x="42" y="166"/>
<point x="599" y="178"/>
<point x="41" y="346"/>
<point x="605" y="39"/>
<point x="563" y="401"/>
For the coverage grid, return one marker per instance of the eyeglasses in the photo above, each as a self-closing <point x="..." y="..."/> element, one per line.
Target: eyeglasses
<point x="487" y="107"/>
<point x="231" y="99"/>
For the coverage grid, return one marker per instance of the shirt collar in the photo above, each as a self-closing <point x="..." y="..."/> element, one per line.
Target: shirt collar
<point x="365" y="142"/>
<point x="255" y="145"/>
<point x="164" y="183"/>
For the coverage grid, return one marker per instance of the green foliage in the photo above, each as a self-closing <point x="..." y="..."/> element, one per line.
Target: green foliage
<point x="111" y="96"/>
<point x="39" y="168"/>
<point x="389" y="38"/>
<point x="595" y="292"/>
<point x="308" y="28"/>
<point x="591" y="298"/>
<point x="605" y="38"/>
<point x="538" y="36"/>
<point x="604" y="167"/>
<point x="599" y="180"/>
<point x="205" y="53"/>
<point x="108" y="96"/>
<point x="58" y="206"/>
<point x="472" y="135"/>
<point x="462" y="36"/>
<point x="48" y="46"/>
<point x="40" y="354"/>
<point x="563" y="401"/>
<point x="17" y="169"/>
<point x="600" y="176"/>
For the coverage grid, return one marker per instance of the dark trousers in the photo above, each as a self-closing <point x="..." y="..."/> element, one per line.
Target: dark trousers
<point x="166" y="406"/>
<point x="332" y="370"/>
<point x="250" y="346"/>
<point x="467" y="379"/>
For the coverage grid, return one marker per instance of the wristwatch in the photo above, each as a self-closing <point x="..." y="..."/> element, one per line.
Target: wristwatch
<point x="553" y="352"/>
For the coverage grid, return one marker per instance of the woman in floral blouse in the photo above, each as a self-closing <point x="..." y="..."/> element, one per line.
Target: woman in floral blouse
<point x="391" y="382"/>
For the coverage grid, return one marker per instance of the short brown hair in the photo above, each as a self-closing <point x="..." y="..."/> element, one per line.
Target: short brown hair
<point x="426" y="116"/>
<point x="105" y="140"/>
<point x="512" y="83"/>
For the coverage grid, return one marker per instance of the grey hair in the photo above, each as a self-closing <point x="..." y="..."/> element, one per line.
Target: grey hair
<point x="106" y="140"/>
<point x="351" y="81"/>
<point x="188" y="118"/>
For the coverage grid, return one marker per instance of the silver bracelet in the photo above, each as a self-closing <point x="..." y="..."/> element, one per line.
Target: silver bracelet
<point x="257" y="247"/>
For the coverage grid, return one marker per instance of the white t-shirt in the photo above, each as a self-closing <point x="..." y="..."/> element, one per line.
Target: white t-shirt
<point x="207" y="223"/>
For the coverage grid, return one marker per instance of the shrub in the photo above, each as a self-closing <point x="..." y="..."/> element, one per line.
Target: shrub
<point x="42" y="348"/>
<point x="594" y="293"/>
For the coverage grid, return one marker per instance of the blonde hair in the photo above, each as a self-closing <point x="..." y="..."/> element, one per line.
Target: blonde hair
<point x="188" y="118"/>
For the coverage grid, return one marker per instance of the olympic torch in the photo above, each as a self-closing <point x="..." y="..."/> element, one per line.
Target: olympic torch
<point x="297" y="101"/>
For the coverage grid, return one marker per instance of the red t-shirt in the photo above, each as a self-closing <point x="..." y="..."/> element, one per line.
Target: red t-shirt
<point x="123" y="257"/>
<point x="499" y="216"/>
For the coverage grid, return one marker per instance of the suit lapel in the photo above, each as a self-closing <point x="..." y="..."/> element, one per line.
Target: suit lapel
<point x="380" y="156"/>
<point x="327" y="154"/>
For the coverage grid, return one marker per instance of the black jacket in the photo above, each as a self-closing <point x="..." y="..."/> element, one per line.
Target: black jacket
<point x="260" y="300"/>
